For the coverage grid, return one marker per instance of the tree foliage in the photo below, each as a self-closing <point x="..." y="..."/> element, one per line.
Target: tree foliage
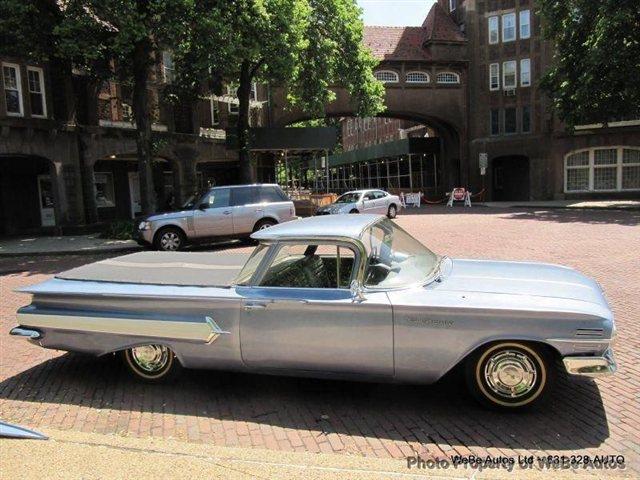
<point x="594" y="77"/>
<point x="305" y="47"/>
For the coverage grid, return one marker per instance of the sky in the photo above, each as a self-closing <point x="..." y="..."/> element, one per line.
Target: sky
<point x="395" y="12"/>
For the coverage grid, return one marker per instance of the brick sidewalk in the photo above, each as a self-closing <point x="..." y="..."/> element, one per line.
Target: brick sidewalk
<point x="41" y="389"/>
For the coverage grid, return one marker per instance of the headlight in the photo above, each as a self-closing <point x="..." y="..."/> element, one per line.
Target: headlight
<point x="144" y="226"/>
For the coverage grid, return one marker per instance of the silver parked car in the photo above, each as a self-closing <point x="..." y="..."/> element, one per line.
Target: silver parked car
<point x="364" y="201"/>
<point x="340" y="296"/>
<point x="231" y="212"/>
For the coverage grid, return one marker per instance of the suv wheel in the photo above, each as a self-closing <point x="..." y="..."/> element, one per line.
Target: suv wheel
<point x="264" y="224"/>
<point x="169" y="239"/>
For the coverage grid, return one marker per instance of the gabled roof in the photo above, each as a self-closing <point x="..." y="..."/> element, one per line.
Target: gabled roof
<point x="439" y="27"/>
<point x="396" y="43"/>
<point x="407" y="43"/>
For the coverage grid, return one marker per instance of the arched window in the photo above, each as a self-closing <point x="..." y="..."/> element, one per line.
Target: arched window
<point x="417" y="77"/>
<point x="386" y="76"/>
<point x="448" y="78"/>
<point x="602" y="169"/>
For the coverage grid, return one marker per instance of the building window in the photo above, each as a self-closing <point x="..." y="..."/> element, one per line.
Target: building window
<point x="254" y="92"/>
<point x="105" y="197"/>
<point x="510" y="121"/>
<point x="215" y="112"/>
<point x="494" y="76"/>
<point x="453" y="4"/>
<point x="525" y="24"/>
<point x="448" y="78"/>
<point x="495" y="121"/>
<point x="509" y="27"/>
<point x="525" y="72"/>
<point x="603" y="169"/>
<point x="36" y="92"/>
<point x="509" y="75"/>
<point x="494" y="34"/>
<point x="12" y="89"/>
<point x="386" y="76"/>
<point x="526" y="119"/>
<point x="168" y="70"/>
<point x="417" y="77"/>
<point x="234" y="104"/>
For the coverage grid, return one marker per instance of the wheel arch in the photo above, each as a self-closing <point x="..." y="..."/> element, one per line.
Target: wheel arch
<point x="536" y="342"/>
<point x="165" y="227"/>
<point x="122" y="348"/>
<point x="268" y="217"/>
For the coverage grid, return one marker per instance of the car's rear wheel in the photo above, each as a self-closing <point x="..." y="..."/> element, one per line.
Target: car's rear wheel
<point x="510" y="375"/>
<point x="353" y="210"/>
<point x="264" y="224"/>
<point x="169" y="239"/>
<point x="392" y="211"/>
<point x="151" y="363"/>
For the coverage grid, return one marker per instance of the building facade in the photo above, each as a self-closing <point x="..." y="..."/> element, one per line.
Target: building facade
<point x="68" y="150"/>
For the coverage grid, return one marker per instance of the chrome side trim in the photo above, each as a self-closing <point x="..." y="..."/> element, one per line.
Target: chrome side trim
<point x="25" y="332"/>
<point x="580" y="340"/>
<point x="216" y="331"/>
<point x="591" y="366"/>
<point x="193" y="331"/>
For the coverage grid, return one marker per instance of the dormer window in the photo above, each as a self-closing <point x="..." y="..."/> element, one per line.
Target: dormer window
<point x="386" y="76"/>
<point x="417" y="77"/>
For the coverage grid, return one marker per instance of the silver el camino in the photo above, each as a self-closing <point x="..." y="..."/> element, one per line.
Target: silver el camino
<point x="338" y="296"/>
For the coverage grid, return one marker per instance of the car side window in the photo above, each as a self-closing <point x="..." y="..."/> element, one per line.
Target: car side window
<point x="218" y="198"/>
<point x="369" y="196"/>
<point x="310" y="266"/>
<point x="379" y="195"/>
<point x="270" y="195"/>
<point x="243" y="196"/>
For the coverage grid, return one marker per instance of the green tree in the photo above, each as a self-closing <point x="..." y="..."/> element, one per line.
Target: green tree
<point x="305" y="47"/>
<point x="594" y="76"/>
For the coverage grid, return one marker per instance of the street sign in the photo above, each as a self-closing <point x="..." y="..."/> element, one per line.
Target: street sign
<point x="483" y="161"/>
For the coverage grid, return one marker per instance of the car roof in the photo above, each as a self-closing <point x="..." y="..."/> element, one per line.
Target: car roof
<point x="323" y="226"/>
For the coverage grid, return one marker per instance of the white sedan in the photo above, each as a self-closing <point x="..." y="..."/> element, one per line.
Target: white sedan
<point x="364" y="201"/>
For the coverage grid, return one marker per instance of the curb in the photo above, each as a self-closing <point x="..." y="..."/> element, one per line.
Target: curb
<point x="69" y="252"/>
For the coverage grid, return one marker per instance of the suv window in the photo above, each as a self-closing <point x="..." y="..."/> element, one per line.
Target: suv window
<point x="243" y="196"/>
<point x="270" y="195"/>
<point x="217" y="198"/>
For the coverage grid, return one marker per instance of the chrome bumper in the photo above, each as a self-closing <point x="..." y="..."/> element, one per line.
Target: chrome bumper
<point x="25" y="332"/>
<point x="591" y="366"/>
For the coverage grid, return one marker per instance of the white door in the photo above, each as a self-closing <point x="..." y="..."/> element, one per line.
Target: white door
<point x="45" y="192"/>
<point x="134" y="193"/>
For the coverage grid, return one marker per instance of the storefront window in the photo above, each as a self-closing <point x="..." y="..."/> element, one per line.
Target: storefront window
<point x="105" y="197"/>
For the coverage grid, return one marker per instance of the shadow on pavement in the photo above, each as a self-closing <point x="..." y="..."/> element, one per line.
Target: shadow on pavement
<point x="560" y="215"/>
<point x="442" y="413"/>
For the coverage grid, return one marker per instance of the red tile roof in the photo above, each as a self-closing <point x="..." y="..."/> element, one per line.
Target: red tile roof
<point x="406" y="43"/>
<point x="440" y="27"/>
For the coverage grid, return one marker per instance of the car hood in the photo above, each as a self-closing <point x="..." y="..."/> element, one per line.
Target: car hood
<point x="169" y="215"/>
<point x="337" y="207"/>
<point x="529" y="279"/>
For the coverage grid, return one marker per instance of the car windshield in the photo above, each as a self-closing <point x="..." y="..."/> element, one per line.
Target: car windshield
<point x="352" y="197"/>
<point x="396" y="259"/>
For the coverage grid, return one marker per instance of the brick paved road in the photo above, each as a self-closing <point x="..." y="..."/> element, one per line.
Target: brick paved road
<point x="40" y="388"/>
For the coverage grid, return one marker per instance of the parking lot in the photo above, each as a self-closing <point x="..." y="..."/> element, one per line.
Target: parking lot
<point x="48" y="389"/>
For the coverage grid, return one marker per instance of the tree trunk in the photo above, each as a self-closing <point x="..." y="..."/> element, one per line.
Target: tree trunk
<point x="247" y="172"/>
<point x="141" y="111"/>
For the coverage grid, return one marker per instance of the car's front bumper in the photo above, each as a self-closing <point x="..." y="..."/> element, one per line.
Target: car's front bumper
<point x="599" y="366"/>
<point x="143" y="237"/>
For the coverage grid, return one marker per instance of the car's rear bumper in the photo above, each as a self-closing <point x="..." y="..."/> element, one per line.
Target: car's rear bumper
<point x="591" y="366"/>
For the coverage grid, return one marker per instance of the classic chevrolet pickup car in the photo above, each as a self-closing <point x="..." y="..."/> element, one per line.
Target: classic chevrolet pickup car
<point x="338" y="296"/>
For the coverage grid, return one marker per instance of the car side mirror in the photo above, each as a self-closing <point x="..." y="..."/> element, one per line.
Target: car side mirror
<point x="203" y="206"/>
<point x="356" y="291"/>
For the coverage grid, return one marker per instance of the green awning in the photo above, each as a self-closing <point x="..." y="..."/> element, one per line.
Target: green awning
<point x="397" y="148"/>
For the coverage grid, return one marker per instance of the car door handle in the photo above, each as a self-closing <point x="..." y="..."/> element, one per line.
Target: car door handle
<point x="254" y="306"/>
<point x="226" y="213"/>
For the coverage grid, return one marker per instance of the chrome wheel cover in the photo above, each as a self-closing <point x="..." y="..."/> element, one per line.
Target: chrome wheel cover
<point x="170" y="241"/>
<point x="392" y="211"/>
<point x="510" y="374"/>
<point x="150" y="358"/>
<point x="264" y="226"/>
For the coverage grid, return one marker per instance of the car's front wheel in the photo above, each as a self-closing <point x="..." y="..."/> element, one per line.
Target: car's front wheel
<point x="392" y="211"/>
<point x="151" y="363"/>
<point x="510" y="375"/>
<point x="169" y="239"/>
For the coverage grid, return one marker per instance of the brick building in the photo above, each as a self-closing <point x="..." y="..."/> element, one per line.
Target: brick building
<point x="493" y="51"/>
<point x="365" y="132"/>
<point x="68" y="154"/>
